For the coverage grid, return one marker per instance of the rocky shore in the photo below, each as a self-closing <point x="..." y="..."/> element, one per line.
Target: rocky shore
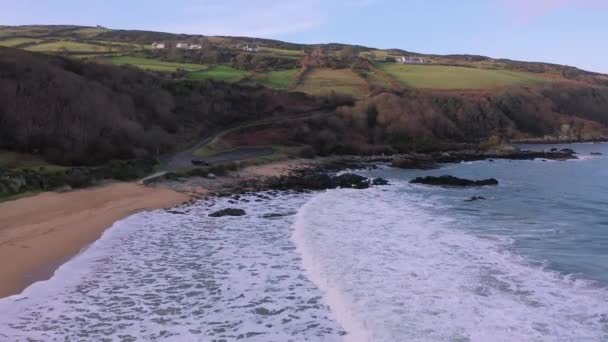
<point x="322" y="173"/>
<point x="433" y="160"/>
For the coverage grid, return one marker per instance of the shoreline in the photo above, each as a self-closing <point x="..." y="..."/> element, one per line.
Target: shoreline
<point x="45" y="231"/>
<point x="40" y="233"/>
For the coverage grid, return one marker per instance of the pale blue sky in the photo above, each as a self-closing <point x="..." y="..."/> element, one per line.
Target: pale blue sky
<point x="573" y="32"/>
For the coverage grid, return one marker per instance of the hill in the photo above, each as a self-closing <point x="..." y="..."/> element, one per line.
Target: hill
<point x="86" y="95"/>
<point x="75" y="112"/>
<point x="223" y="58"/>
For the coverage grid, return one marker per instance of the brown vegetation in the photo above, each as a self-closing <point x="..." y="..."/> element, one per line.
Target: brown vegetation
<point x="78" y="113"/>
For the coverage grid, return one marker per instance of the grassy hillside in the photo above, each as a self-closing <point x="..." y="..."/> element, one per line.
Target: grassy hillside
<point x="71" y="111"/>
<point x="15" y="42"/>
<point x="155" y="64"/>
<point x="86" y="113"/>
<point x="454" y="77"/>
<point x="324" y="81"/>
<point x="219" y="73"/>
<point x="276" y="62"/>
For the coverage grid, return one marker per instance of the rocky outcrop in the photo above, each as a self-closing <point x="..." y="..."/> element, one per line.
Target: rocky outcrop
<point x="228" y="212"/>
<point x="321" y="181"/>
<point x="453" y="181"/>
<point x="475" y="198"/>
<point x="456" y="157"/>
<point x="432" y="161"/>
<point x="421" y="162"/>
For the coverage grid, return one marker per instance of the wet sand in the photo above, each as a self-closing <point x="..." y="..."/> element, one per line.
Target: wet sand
<point x="39" y="233"/>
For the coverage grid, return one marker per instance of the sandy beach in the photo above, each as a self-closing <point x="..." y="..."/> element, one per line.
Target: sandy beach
<point x="39" y="233"/>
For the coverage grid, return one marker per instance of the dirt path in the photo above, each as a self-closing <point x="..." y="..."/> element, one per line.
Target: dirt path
<point x="184" y="158"/>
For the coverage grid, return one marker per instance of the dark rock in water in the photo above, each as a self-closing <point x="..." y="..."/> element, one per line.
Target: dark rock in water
<point x="350" y="180"/>
<point x="276" y="215"/>
<point x="379" y="181"/>
<point x="554" y="149"/>
<point x="596" y="153"/>
<point x="318" y="181"/>
<point x="453" y="181"/>
<point x="475" y="198"/>
<point x="228" y="212"/>
<point x="567" y="150"/>
<point x="175" y="212"/>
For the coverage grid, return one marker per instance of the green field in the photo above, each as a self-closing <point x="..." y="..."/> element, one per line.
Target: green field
<point x="277" y="79"/>
<point x="282" y="52"/>
<point x="69" y="46"/>
<point x="155" y="64"/>
<point x="342" y="81"/>
<point x="12" y="42"/>
<point x="451" y="77"/>
<point x="89" y="31"/>
<point x="220" y="73"/>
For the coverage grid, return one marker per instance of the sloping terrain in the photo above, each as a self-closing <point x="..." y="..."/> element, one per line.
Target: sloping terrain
<point x="74" y="112"/>
<point x="89" y="95"/>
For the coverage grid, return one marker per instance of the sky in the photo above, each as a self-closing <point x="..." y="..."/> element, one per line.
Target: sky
<point x="571" y="32"/>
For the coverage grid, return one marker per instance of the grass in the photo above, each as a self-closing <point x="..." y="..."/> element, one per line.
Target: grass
<point x="69" y="46"/>
<point x="12" y="42"/>
<point x="89" y="31"/>
<point x="451" y="77"/>
<point x="156" y="65"/>
<point x="220" y="73"/>
<point x="277" y="79"/>
<point x="374" y="79"/>
<point x="283" y="52"/>
<point x="15" y="160"/>
<point x="342" y="81"/>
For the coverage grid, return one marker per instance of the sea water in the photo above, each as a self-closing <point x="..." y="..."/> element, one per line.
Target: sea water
<point x="397" y="263"/>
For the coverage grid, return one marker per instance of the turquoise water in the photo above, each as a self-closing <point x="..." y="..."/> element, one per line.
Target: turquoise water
<point x="555" y="212"/>
<point x="402" y="262"/>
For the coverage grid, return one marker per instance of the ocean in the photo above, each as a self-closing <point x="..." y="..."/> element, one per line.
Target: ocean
<point x="402" y="262"/>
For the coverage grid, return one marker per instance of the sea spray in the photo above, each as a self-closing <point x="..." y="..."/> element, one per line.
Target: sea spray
<point x="182" y="276"/>
<point x="393" y="267"/>
<point x="332" y="295"/>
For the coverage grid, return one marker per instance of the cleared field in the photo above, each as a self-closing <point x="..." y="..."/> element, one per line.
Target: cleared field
<point x="69" y="46"/>
<point x="283" y="52"/>
<point x="220" y="73"/>
<point x="12" y="42"/>
<point x="156" y="65"/>
<point x="89" y="31"/>
<point x="277" y="79"/>
<point x="342" y="81"/>
<point x="450" y="77"/>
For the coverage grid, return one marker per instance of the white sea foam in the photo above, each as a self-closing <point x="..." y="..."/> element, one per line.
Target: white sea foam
<point x="159" y="276"/>
<point x="360" y="265"/>
<point x="392" y="270"/>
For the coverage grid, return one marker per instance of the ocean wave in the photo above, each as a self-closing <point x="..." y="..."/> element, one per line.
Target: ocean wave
<point x="392" y="268"/>
<point x="161" y="276"/>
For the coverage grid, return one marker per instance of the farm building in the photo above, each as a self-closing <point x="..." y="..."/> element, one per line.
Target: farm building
<point x="195" y="47"/>
<point x="182" y="46"/>
<point x="251" y="48"/>
<point x="412" y="60"/>
<point x="157" y="45"/>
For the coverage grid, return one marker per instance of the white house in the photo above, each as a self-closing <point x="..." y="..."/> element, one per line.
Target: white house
<point x="182" y="46"/>
<point x="157" y="45"/>
<point x="412" y="60"/>
<point x="195" y="47"/>
<point x="251" y="48"/>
